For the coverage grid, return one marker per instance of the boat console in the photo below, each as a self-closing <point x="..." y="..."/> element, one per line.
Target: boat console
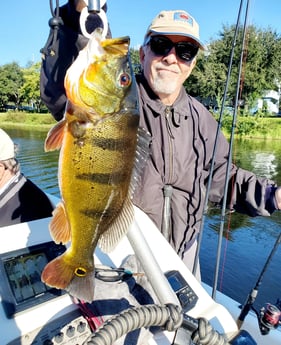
<point x="33" y="313"/>
<point x="30" y="311"/>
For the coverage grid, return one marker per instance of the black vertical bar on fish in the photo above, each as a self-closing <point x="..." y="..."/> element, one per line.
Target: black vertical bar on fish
<point x="254" y="292"/>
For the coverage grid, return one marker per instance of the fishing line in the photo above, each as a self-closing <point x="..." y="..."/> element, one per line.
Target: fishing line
<point x="240" y="84"/>
<point x="205" y="208"/>
<point x="229" y="161"/>
<point x="254" y="292"/>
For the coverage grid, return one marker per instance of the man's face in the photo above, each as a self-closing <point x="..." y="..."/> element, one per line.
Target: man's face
<point x="165" y="74"/>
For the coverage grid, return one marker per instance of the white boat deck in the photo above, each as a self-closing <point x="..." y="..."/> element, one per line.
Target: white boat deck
<point x="33" y="322"/>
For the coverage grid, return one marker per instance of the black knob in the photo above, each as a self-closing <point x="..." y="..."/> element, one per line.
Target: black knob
<point x="70" y="331"/>
<point x="81" y="327"/>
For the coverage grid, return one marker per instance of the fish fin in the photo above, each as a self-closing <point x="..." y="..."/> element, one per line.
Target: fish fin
<point x="59" y="225"/>
<point x="142" y="153"/>
<point x="57" y="273"/>
<point x="60" y="275"/>
<point x="55" y="136"/>
<point x="82" y="287"/>
<point x="110" y="238"/>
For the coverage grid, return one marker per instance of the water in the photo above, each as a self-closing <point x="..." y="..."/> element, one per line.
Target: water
<point x="245" y="246"/>
<point x="40" y="166"/>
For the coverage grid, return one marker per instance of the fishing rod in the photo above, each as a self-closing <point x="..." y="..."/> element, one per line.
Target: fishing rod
<point x="205" y="208"/>
<point x="229" y="161"/>
<point x="254" y="292"/>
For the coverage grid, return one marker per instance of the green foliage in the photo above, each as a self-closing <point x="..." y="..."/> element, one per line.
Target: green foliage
<point x="20" y="86"/>
<point x="11" y="81"/>
<point x="24" y="119"/>
<point x="261" y="68"/>
<point x="31" y="87"/>
<point x="135" y="60"/>
<point x="257" y="126"/>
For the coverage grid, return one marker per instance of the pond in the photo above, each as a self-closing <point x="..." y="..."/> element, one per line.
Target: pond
<point x="247" y="242"/>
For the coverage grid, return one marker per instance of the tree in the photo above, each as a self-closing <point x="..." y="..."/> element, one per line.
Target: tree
<point x="30" y="89"/>
<point x="11" y="81"/>
<point x="260" y="68"/>
<point x="135" y="60"/>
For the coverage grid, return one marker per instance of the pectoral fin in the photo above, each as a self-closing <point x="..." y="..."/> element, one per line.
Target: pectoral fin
<point x="59" y="225"/>
<point x="55" y="136"/>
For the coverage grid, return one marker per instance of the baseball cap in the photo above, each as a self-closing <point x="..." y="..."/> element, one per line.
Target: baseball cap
<point x="176" y="22"/>
<point x="7" y="147"/>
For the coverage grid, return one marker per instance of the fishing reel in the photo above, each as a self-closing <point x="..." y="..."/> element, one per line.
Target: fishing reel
<point x="270" y="317"/>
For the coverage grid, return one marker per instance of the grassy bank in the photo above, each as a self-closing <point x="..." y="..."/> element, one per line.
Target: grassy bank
<point x="246" y="127"/>
<point x="254" y="127"/>
<point x="26" y="120"/>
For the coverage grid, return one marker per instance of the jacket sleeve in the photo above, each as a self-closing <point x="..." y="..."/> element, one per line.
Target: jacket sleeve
<point x="250" y="194"/>
<point x="247" y="193"/>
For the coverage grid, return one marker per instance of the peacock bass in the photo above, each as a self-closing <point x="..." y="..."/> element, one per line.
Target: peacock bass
<point x="97" y="139"/>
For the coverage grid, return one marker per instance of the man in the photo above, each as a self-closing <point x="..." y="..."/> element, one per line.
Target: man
<point x="183" y="135"/>
<point x="20" y="199"/>
<point x="173" y="185"/>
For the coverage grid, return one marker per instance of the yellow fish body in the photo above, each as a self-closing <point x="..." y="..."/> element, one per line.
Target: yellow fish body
<point x="97" y="140"/>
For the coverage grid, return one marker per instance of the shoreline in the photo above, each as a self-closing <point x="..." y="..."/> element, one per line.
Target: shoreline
<point x="44" y="122"/>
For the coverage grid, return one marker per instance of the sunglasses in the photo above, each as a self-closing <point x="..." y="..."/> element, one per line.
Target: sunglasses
<point x="161" y="46"/>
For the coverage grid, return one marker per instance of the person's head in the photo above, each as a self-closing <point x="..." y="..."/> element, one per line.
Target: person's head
<point x="9" y="165"/>
<point x="168" y="54"/>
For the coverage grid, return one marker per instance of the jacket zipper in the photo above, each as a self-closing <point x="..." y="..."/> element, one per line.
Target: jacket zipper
<point x="168" y="113"/>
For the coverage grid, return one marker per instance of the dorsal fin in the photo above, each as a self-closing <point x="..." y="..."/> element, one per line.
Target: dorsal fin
<point x="141" y="156"/>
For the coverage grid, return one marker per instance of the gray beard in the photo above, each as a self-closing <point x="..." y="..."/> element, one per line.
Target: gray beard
<point x="161" y="86"/>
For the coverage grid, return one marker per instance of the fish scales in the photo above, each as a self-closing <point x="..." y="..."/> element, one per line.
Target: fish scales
<point x="105" y="173"/>
<point x="98" y="143"/>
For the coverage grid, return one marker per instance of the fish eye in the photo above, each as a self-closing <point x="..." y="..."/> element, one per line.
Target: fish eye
<point x="125" y="79"/>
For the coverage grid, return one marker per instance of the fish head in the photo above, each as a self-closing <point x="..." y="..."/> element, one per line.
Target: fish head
<point x="101" y="80"/>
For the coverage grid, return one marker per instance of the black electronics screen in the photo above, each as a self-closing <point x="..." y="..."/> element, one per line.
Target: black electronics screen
<point x="24" y="275"/>
<point x="175" y="283"/>
<point x="20" y="271"/>
<point x="176" y="280"/>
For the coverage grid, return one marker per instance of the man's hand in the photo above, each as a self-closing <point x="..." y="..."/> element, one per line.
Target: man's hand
<point x="278" y="198"/>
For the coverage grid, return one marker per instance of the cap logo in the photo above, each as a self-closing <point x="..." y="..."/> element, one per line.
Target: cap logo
<point x="183" y="17"/>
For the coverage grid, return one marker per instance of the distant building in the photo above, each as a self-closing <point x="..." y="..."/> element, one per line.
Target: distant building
<point x="269" y="102"/>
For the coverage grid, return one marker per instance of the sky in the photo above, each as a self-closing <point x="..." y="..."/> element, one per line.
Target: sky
<point x="24" y="23"/>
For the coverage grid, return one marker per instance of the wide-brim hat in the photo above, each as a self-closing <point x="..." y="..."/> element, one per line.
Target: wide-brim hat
<point x="7" y="146"/>
<point x="175" y="22"/>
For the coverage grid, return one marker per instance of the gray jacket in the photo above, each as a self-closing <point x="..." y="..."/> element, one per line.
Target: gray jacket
<point x="183" y="137"/>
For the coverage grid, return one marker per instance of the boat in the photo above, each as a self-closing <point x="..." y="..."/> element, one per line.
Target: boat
<point x="180" y="306"/>
<point x="32" y="313"/>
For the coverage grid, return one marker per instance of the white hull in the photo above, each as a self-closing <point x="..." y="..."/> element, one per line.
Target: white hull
<point x="45" y="317"/>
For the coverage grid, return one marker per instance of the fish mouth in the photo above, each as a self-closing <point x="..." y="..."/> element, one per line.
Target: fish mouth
<point x="119" y="45"/>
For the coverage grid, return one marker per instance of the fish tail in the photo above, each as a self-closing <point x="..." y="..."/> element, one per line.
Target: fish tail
<point x="57" y="273"/>
<point x="82" y="287"/>
<point x="60" y="274"/>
